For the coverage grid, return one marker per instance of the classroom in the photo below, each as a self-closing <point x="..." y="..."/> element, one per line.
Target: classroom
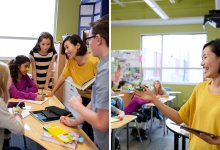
<point x="54" y="57"/>
<point x="158" y="46"/>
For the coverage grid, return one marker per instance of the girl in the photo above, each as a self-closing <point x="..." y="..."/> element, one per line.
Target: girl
<point x="202" y="110"/>
<point x="158" y="90"/>
<point x="8" y="121"/>
<point x="81" y="66"/>
<point x="21" y="85"/>
<point x="42" y="57"/>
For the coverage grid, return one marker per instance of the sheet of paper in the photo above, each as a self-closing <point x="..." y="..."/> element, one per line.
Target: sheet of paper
<point x="34" y="101"/>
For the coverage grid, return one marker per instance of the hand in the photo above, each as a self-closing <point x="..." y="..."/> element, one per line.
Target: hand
<point x="146" y="95"/>
<point x="68" y="121"/>
<point x="121" y="115"/>
<point x="209" y="139"/>
<point x="39" y="97"/>
<point x="49" y="93"/>
<point x="75" y="101"/>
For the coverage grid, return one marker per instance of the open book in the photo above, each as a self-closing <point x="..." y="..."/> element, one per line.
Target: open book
<point x="194" y="131"/>
<point x="85" y="84"/>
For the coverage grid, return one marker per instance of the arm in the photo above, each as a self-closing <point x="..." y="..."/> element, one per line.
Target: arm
<point x="34" y="71"/>
<point x="98" y="119"/>
<point x="58" y="84"/>
<point x="166" y="110"/>
<point x="49" y="71"/>
<point x="32" y="87"/>
<point x="8" y="121"/>
<point x="15" y="93"/>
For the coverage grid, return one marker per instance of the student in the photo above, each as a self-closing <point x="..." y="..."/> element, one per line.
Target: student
<point x="120" y="114"/>
<point x="97" y="111"/>
<point x="8" y="121"/>
<point x="42" y="57"/>
<point x="81" y="66"/>
<point x="202" y="110"/>
<point x="22" y="87"/>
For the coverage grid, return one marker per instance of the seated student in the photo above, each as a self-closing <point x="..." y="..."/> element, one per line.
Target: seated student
<point x="22" y="87"/>
<point x="160" y="92"/>
<point x="121" y="115"/>
<point x="8" y="121"/>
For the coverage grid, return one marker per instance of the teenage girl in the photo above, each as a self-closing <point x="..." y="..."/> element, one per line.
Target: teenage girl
<point x="22" y="87"/>
<point x="8" y="121"/>
<point x="42" y="57"/>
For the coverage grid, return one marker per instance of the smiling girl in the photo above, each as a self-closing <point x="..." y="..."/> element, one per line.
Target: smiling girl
<point x="22" y="87"/>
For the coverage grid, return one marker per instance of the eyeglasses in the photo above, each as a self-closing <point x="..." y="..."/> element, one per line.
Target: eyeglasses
<point x="89" y="38"/>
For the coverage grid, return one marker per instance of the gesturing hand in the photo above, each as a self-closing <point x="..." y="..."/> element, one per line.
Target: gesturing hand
<point x="145" y="95"/>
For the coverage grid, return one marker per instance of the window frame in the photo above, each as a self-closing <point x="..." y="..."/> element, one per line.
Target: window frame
<point x="162" y="51"/>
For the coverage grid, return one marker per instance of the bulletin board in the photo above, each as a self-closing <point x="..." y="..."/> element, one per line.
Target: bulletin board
<point x="126" y="65"/>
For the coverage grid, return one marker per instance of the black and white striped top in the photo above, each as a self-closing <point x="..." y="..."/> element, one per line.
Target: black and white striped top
<point x="42" y="65"/>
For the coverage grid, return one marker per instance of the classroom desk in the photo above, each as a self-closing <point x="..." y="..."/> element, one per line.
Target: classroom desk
<point x="176" y="93"/>
<point x="163" y="100"/>
<point x="34" y="128"/>
<point x="118" y="124"/>
<point x="177" y="134"/>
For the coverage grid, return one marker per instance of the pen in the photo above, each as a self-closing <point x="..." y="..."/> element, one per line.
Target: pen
<point x="68" y="115"/>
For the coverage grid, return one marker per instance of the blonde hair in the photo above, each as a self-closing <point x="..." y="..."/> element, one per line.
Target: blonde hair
<point x="159" y="91"/>
<point x="4" y="81"/>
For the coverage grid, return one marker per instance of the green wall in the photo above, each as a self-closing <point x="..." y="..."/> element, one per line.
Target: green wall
<point x="67" y="18"/>
<point x="130" y="38"/>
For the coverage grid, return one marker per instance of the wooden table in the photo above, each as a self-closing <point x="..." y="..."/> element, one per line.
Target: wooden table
<point x="177" y="134"/>
<point x="34" y="128"/>
<point x="118" y="124"/>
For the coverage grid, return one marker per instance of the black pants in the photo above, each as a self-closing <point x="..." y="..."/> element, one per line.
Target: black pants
<point x="87" y="128"/>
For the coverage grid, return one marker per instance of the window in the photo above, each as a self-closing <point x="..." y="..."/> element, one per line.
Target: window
<point x="173" y="58"/>
<point x="21" y="24"/>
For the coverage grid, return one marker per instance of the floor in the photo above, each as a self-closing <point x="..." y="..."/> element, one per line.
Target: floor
<point x="159" y="141"/>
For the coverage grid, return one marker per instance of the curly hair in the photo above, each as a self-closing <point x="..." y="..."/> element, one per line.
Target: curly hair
<point x="14" y="64"/>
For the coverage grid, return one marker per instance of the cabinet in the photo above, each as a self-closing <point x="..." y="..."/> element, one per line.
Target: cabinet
<point x="90" y="11"/>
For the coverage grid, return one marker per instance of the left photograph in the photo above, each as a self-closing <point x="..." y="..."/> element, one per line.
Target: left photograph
<point x="54" y="76"/>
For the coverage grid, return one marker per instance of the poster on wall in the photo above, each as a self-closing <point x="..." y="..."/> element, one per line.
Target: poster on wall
<point x="126" y="65"/>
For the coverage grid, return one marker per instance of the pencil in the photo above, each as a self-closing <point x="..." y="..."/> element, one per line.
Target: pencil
<point x="68" y="115"/>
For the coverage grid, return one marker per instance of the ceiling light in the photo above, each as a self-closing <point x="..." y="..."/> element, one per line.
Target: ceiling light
<point x="157" y="9"/>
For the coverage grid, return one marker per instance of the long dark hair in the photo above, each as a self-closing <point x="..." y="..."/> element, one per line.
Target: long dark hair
<point x="14" y="64"/>
<point x="74" y="39"/>
<point x="45" y="35"/>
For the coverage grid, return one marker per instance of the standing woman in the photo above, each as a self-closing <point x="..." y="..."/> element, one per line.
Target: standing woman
<point x="202" y="110"/>
<point x="81" y="66"/>
<point x="42" y="57"/>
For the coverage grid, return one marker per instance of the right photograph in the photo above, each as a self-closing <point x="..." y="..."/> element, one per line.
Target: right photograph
<point x="165" y="74"/>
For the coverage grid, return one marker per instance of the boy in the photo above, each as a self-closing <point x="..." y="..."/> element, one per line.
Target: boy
<point x="97" y="111"/>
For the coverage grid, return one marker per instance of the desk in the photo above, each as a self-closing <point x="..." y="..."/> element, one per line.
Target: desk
<point x="116" y="95"/>
<point x="176" y="93"/>
<point x="34" y="128"/>
<point x="163" y="100"/>
<point x="126" y="97"/>
<point x="118" y="124"/>
<point x="177" y="134"/>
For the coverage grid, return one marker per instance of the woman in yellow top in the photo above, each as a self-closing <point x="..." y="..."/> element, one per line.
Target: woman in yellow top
<point x="81" y="66"/>
<point x="202" y="110"/>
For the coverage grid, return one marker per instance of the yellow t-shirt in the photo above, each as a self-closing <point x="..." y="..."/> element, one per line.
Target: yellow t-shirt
<point x="82" y="73"/>
<point x="202" y="112"/>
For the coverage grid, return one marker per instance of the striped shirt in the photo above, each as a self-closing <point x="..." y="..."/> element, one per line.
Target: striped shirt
<point x="42" y="65"/>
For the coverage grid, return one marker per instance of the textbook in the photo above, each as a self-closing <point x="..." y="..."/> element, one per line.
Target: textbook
<point x="59" y="133"/>
<point x="195" y="131"/>
<point x="48" y="137"/>
<point x="85" y="85"/>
